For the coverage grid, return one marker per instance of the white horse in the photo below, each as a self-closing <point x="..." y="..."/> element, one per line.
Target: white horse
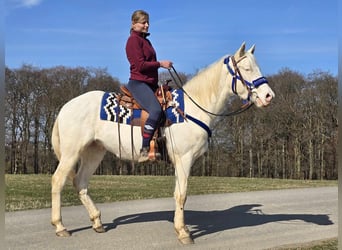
<point x="79" y="134"/>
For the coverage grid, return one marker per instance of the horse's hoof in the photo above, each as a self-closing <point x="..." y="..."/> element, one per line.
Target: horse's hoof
<point x="184" y="236"/>
<point x="63" y="233"/>
<point x="186" y="240"/>
<point x="99" y="229"/>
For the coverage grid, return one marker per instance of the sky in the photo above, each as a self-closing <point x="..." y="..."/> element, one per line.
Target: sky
<point x="297" y="34"/>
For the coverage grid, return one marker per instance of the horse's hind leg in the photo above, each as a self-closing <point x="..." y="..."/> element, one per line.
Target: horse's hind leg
<point x="64" y="169"/>
<point x="90" y="160"/>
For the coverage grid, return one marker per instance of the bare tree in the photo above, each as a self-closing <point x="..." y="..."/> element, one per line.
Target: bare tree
<point x="295" y="137"/>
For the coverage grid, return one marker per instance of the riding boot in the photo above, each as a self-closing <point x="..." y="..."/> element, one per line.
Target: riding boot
<point x="148" y="132"/>
<point x="149" y="149"/>
<point x="144" y="154"/>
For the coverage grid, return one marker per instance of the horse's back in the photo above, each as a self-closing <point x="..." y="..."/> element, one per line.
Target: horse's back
<point x="77" y="118"/>
<point x="85" y="103"/>
<point x="84" y="99"/>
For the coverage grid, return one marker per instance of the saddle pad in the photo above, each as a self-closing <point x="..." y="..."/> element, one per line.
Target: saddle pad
<point x="112" y="111"/>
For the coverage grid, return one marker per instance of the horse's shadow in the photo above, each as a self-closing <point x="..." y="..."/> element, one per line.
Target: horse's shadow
<point x="207" y="222"/>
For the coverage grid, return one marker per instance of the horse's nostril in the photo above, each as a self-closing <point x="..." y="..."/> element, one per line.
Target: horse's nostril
<point x="268" y="97"/>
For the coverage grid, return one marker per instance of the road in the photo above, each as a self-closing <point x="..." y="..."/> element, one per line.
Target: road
<point x="252" y="220"/>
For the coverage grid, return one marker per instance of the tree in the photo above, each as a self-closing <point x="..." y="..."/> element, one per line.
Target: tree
<point x="295" y="137"/>
<point x="34" y="97"/>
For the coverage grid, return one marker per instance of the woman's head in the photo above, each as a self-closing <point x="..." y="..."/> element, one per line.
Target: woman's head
<point x="140" y="21"/>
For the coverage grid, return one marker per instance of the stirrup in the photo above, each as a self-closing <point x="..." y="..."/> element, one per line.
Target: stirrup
<point x="148" y="154"/>
<point x="154" y="154"/>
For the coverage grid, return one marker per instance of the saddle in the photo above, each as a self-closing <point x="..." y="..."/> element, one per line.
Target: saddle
<point x="164" y="97"/>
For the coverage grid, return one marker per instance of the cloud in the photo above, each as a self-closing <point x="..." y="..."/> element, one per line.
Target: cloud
<point x="24" y="3"/>
<point x="30" y="3"/>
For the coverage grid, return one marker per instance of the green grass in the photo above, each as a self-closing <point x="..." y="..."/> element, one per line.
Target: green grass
<point x="34" y="191"/>
<point x="329" y="244"/>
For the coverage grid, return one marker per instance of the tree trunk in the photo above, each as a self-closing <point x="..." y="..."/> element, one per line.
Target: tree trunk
<point x="250" y="163"/>
<point x="241" y="157"/>
<point x="297" y="158"/>
<point x="36" y="146"/>
<point x="311" y="159"/>
<point x="322" y="170"/>
<point x="259" y="164"/>
<point x="283" y="158"/>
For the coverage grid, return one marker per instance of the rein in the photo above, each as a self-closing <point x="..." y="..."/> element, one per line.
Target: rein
<point x="243" y="108"/>
<point x="236" y="74"/>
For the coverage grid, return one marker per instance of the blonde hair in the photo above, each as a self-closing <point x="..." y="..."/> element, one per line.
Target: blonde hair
<point x="139" y="16"/>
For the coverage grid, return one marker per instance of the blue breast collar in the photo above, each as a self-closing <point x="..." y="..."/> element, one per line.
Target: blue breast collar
<point x="199" y="123"/>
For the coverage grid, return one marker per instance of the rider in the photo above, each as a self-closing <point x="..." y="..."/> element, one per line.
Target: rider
<point x="143" y="80"/>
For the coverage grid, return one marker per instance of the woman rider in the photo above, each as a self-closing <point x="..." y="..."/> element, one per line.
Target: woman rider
<point x="143" y="80"/>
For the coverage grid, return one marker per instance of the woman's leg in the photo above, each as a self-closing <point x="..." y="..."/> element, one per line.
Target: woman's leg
<point x="147" y="100"/>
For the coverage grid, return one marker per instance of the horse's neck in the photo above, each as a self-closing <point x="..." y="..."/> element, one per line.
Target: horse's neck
<point x="209" y="89"/>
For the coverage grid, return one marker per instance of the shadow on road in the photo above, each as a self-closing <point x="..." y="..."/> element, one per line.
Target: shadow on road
<point x="207" y="222"/>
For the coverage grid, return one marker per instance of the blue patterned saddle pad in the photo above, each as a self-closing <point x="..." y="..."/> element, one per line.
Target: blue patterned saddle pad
<point x="112" y="111"/>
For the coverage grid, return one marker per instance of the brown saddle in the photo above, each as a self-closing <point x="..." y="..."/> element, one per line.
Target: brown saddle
<point x="127" y="100"/>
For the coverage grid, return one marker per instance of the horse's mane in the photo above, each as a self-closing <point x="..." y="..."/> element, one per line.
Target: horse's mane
<point x="205" y="83"/>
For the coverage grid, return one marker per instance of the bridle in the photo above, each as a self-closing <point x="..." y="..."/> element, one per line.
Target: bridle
<point x="236" y="74"/>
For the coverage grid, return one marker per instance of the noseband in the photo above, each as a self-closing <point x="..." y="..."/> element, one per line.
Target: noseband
<point x="237" y="76"/>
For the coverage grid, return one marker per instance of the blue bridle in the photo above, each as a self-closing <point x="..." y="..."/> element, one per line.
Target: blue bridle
<point x="237" y="76"/>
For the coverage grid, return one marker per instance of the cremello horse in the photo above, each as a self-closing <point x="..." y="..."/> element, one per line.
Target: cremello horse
<point x="79" y="134"/>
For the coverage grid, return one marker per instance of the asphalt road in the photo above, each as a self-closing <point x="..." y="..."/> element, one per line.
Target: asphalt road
<point x="253" y="220"/>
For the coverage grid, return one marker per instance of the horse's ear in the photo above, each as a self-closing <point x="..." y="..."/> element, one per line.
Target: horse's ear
<point x="252" y="49"/>
<point x="241" y="50"/>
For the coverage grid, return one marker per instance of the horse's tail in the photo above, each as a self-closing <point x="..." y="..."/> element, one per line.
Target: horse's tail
<point x="55" y="139"/>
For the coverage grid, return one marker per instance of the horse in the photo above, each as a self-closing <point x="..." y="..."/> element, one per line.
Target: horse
<point x="79" y="135"/>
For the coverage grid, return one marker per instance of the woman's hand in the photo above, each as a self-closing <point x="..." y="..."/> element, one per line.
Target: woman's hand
<point x="165" y="64"/>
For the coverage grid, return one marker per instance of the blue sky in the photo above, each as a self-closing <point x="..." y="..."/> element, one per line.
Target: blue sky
<point x="297" y="34"/>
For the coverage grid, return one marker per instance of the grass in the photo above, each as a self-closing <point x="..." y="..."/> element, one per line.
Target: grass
<point x="25" y="192"/>
<point x="329" y="244"/>
<point x="34" y="191"/>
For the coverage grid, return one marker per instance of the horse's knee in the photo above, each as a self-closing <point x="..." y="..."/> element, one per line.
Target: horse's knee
<point x="58" y="179"/>
<point x="55" y="184"/>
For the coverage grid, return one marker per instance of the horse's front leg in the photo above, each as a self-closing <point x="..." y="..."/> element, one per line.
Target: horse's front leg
<point x="183" y="233"/>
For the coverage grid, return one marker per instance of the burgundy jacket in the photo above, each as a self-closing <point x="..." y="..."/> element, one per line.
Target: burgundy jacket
<point x="142" y="58"/>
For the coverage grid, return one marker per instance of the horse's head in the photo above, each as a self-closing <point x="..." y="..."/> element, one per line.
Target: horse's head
<point x="247" y="80"/>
